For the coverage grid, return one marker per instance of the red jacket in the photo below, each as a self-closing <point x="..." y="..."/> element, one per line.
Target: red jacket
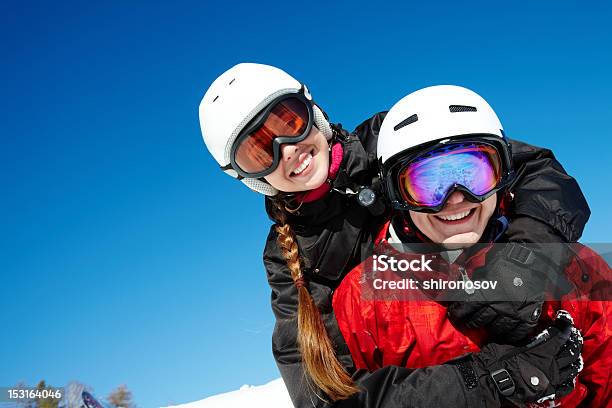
<point x="416" y="334"/>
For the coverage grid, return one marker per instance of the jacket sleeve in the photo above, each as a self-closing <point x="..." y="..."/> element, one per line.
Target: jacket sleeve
<point x="388" y="387"/>
<point x="368" y="130"/>
<point x="545" y="192"/>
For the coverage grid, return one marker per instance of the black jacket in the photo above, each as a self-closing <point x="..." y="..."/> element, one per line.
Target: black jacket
<point x="334" y="235"/>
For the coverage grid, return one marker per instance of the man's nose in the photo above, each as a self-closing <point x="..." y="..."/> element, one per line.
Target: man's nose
<point x="456" y="197"/>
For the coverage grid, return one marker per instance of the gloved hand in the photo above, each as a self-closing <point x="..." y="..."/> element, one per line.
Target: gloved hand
<point x="524" y="273"/>
<point x="544" y="369"/>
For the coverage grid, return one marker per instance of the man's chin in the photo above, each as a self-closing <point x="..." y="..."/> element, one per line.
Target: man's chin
<point x="465" y="240"/>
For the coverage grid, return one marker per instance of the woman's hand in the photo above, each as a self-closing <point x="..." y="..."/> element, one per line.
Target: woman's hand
<point x="525" y="274"/>
<point x="544" y="369"/>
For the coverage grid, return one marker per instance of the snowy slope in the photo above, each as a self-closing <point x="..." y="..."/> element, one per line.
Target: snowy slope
<point x="271" y="395"/>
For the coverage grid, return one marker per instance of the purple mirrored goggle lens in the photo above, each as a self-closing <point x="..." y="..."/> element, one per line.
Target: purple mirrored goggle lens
<point x="426" y="181"/>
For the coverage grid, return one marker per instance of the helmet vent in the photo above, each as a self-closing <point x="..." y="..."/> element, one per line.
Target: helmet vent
<point x="216" y="97"/>
<point x="232" y="81"/>
<point x="406" y="122"/>
<point x="462" y="108"/>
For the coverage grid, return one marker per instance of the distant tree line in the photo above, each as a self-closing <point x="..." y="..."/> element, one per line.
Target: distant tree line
<point x="121" y="397"/>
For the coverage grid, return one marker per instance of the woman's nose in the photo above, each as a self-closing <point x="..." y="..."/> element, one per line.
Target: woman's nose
<point x="288" y="151"/>
<point x="456" y="197"/>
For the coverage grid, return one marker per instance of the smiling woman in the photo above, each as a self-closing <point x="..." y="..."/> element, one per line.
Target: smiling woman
<point x="262" y="127"/>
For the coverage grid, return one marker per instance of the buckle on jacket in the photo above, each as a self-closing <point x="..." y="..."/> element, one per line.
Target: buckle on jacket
<point x="520" y="254"/>
<point x="503" y="382"/>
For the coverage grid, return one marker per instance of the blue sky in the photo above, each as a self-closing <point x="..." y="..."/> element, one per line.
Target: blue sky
<point x="127" y="257"/>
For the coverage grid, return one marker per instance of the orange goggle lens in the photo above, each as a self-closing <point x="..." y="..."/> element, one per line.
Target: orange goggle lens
<point x="288" y="118"/>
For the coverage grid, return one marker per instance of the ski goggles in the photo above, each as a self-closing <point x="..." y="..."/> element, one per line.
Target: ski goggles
<point x="287" y="119"/>
<point x="424" y="181"/>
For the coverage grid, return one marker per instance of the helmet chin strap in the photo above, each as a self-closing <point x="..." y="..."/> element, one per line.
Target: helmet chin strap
<point x="321" y="122"/>
<point x="499" y="216"/>
<point x="260" y="186"/>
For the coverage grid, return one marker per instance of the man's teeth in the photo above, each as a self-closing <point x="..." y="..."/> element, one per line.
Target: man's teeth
<point x="303" y="165"/>
<point x="454" y="217"/>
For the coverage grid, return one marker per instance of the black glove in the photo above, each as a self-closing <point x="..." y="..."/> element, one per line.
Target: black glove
<point x="524" y="274"/>
<point x="544" y="369"/>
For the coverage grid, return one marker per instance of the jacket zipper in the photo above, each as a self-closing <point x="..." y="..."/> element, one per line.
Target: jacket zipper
<point x="466" y="279"/>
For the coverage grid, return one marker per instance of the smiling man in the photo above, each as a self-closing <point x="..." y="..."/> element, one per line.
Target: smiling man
<point x="447" y="171"/>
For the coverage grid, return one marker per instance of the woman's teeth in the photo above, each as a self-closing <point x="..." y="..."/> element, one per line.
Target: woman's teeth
<point x="454" y="217"/>
<point x="303" y="165"/>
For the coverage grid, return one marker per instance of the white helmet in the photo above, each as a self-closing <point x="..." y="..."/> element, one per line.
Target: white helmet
<point x="236" y="97"/>
<point x="435" y="118"/>
<point x="435" y="113"/>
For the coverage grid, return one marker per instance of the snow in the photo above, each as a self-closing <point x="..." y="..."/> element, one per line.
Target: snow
<point x="271" y="395"/>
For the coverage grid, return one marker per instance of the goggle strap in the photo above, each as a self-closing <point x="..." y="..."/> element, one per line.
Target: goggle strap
<point x="228" y="167"/>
